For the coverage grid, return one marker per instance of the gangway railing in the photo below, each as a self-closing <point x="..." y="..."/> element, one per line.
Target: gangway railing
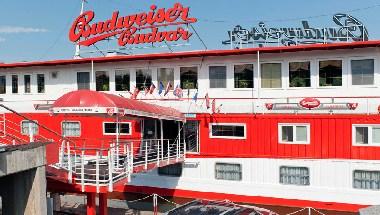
<point x="103" y="167"/>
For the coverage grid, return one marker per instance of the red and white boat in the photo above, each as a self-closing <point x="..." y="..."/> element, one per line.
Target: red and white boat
<point x="295" y="126"/>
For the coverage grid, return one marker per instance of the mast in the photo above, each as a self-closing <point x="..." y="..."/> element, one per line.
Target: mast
<point x="77" y="47"/>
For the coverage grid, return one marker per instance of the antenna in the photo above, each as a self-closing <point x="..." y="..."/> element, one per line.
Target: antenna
<point x="77" y="47"/>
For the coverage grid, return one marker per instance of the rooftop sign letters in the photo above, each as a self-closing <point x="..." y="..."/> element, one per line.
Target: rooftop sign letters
<point x="348" y="28"/>
<point x="133" y="29"/>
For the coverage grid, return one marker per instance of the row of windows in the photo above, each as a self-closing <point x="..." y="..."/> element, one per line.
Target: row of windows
<point x="289" y="175"/>
<point x="329" y="73"/>
<point x="73" y="129"/>
<point x="297" y="133"/>
<point x="26" y="83"/>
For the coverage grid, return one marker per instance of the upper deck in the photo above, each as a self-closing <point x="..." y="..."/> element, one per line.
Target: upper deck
<point x="333" y="73"/>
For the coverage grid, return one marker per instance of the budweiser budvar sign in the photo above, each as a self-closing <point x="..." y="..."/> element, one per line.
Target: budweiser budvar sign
<point x="133" y="29"/>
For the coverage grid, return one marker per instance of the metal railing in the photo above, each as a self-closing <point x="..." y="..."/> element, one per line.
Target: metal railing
<point x="103" y="167"/>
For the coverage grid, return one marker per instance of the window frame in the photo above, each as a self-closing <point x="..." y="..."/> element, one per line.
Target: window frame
<point x="353" y="179"/>
<point x="18" y="83"/>
<point x="108" y="74"/>
<point x="370" y="142"/>
<point x="87" y="83"/>
<point x="130" y="128"/>
<point x="226" y="79"/>
<point x="281" y="76"/>
<point x="80" y="127"/>
<point x="253" y="76"/>
<point x="180" y="80"/>
<point x="127" y="70"/>
<point x="294" y="166"/>
<point x="36" y="122"/>
<point x="44" y="83"/>
<point x="371" y="57"/>
<point x="30" y="83"/>
<point x="5" y="84"/>
<point x="152" y="73"/>
<point x="344" y="72"/>
<point x="227" y="137"/>
<point x="294" y="125"/>
<point x="312" y="67"/>
<point x="221" y="179"/>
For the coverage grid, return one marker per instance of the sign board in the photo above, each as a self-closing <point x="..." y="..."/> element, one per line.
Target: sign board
<point x="146" y="27"/>
<point x="347" y="28"/>
<point x="311" y="104"/>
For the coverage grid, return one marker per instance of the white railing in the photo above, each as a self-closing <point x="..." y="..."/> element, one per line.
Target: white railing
<point x="103" y="167"/>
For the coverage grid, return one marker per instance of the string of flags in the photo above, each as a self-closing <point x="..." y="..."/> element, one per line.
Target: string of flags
<point x="177" y="92"/>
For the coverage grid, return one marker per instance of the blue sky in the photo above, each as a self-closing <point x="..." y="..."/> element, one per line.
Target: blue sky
<point x="38" y="29"/>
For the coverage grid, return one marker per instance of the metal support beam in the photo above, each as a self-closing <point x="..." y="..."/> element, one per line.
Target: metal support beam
<point x="91" y="204"/>
<point x="103" y="206"/>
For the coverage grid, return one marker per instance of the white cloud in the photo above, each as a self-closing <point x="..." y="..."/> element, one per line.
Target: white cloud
<point x="17" y="29"/>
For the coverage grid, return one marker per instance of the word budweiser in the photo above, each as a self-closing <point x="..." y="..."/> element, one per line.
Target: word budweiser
<point x="129" y="28"/>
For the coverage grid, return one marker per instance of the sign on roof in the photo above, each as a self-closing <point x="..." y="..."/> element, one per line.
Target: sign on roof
<point x="348" y="28"/>
<point x="145" y="27"/>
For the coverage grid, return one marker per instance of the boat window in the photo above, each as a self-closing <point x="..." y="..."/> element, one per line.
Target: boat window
<point x="330" y="73"/>
<point x="243" y="76"/>
<point x="366" y="135"/>
<point x="174" y="170"/>
<point x="294" y="175"/>
<point x="14" y="83"/>
<point x="110" y="128"/>
<point x="362" y="72"/>
<point x="29" y="127"/>
<point x="122" y="79"/>
<point x="228" y="171"/>
<point x="27" y="84"/>
<point x="228" y="130"/>
<point x="102" y="81"/>
<point x="83" y="80"/>
<point x="217" y="76"/>
<point x="71" y="129"/>
<point x="3" y="84"/>
<point x="40" y="83"/>
<point x="143" y="78"/>
<point x="294" y="133"/>
<point x="365" y="179"/>
<point x="165" y="75"/>
<point x="189" y="77"/>
<point x="299" y="74"/>
<point x="271" y="75"/>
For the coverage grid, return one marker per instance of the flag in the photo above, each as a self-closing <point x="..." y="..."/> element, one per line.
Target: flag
<point x="152" y="88"/>
<point x="169" y="86"/>
<point x="160" y="88"/>
<point x="178" y="92"/>
<point x="213" y="106"/>
<point x="188" y="93"/>
<point x="146" y="90"/>
<point x="136" y="91"/>
<point x="219" y="108"/>
<point x="195" y="97"/>
<point x="207" y="101"/>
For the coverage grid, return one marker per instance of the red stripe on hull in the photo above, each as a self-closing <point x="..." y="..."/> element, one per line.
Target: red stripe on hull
<point x="242" y="198"/>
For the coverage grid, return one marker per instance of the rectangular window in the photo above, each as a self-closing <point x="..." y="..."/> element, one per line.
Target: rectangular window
<point x="243" y="76"/>
<point x="14" y="83"/>
<point x="109" y="128"/>
<point x="71" y="129"/>
<point x="228" y="171"/>
<point x="330" y="73"/>
<point x="40" y="83"/>
<point x="29" y="126"/>
<point x="83" y="80"/>
<point x="122" y="79"/>
<point x="366" y="135"/>
<point x="294" y="133"/>
<point x="174" y="170"/>
<point x="363" y="72"/>
<point x="27" y="84"/>
<point x="294" y="175"/>
<point x="189" y="77"/>
<point x="367" y="180"/>
<point x="165" y="75"/>
<point x="217" y="76"/>
<point x="299" y="74"/>
<point x="3" y="84"/>
<point x="102" y="81"/>
<point x="143" y="78"/>
<point x="271" y="75"/>
<point x="227" y="130"/>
